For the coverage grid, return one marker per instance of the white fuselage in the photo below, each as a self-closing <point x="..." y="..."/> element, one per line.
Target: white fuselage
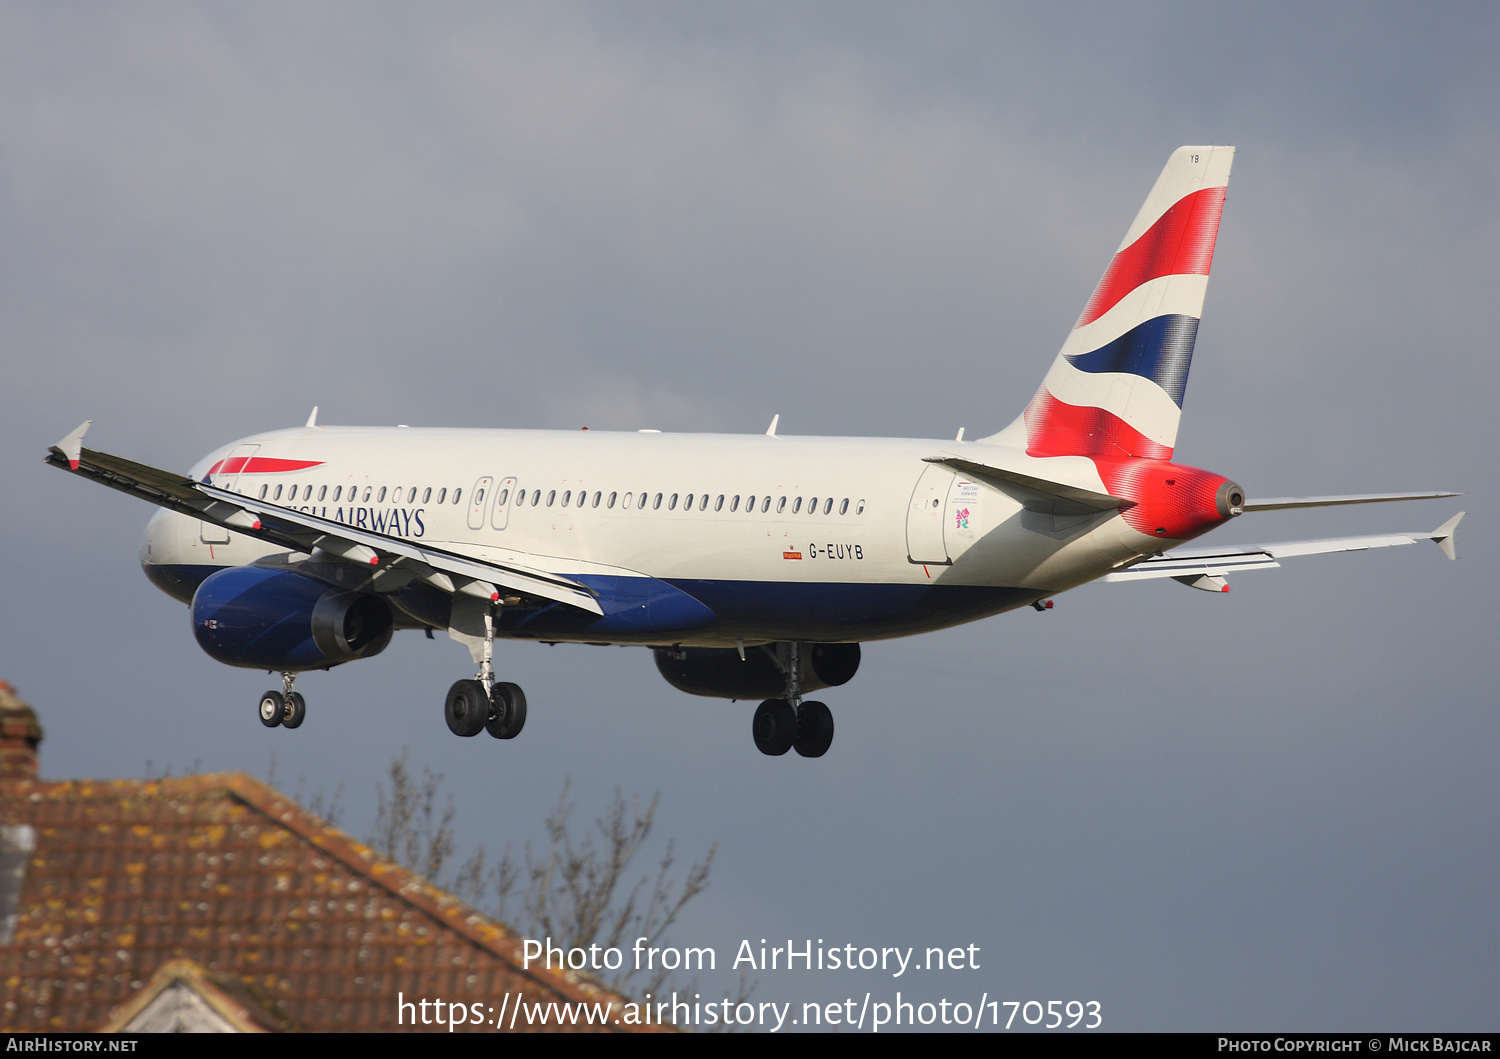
<point x="782" y="537"/>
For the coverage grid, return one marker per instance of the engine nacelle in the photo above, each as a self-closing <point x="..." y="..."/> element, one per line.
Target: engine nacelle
<point x="262" y="618"/>
<point x="720" y="673"/>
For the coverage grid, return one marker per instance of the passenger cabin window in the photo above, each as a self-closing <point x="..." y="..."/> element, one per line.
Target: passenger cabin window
<point x="598" y="496"/>
<point x="765" y="505"/>
<point x="368" y="490"/>
<point x="278" y="493"/>
<point x="655" y="504"/>
<point x="719" y="503"/>
<point x="567" y="495"/>
<point x="504" y="496"/>
<point x="427" y="495"/>
<point x="611" y="502"/>
<point x="734" y="503"/>
<point x="411" y="497"/>
<point x="380" y="497"/>
<point x="264" y="490"/>
<point x="322" y="492"/>
<point x="478" y="497"/>
<point x="781" y="505"/>
<point x="859" y="508"/>
<point x="456" y="494"/>
<point x="520" y="498"/>
<point x="672" y="504"/>
<point x="551" y="496"/>
<point x="796" y="505"/>
<point x="625" y="500"/>
<point x="844" y="507"/>
<point x="828" y="505"/>
<point x="442" y="495"/>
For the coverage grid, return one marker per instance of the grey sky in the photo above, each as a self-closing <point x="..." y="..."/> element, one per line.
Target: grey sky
<point x="1273" y="809"/>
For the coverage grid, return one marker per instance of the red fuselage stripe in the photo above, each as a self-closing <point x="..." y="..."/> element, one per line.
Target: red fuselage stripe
<point x="260" y="465"/>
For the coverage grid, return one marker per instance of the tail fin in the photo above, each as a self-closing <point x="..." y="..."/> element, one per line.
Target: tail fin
<point x="1116" y="388"/>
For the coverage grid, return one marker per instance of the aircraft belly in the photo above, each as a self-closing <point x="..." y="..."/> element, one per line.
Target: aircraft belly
<point x="689" y="610"/>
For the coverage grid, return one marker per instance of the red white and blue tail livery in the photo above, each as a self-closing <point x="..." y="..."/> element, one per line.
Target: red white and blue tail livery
<point x="752" y="565"/>
<point x="1116" y="388"/>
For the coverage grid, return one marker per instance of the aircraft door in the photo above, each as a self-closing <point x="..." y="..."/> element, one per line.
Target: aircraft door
<point x="503" y="491"/>
<point x="228" y="478"/>
<point x="925" y="517"/>
<point x="477" y="498"/>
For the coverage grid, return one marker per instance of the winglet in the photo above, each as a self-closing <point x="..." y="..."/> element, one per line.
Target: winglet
<point x="1443" y="535"/>
<point x="71" y="447"/>
<point x="771" y="430"/>
<point x="312" y="420"/>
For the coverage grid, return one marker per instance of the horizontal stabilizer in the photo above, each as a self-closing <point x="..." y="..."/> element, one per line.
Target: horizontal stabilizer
<point x="1038" y="494"/>
<point x="1283" y="503"/>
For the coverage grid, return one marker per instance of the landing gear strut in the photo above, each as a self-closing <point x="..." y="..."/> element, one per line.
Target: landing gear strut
<point x="780" y="725"/>
<point x="485" y="704"/>
<point x="285" y="707"/>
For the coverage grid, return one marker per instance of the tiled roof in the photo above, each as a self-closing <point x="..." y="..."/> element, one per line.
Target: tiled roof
<point x="222" y="870"/>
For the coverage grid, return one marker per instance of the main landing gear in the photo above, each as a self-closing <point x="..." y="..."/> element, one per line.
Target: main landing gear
<point x="783" y="724"/>
<point x="485" y="704"/>
<point x="285" y="707"/>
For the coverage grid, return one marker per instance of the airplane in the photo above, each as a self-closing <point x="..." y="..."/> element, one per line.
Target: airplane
<point x="753" y="566"/>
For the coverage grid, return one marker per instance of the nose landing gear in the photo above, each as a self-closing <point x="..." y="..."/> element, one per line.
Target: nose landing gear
<point x="285" y="707"/>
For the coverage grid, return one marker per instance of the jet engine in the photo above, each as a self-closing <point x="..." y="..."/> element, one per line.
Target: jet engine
<point x="262" y="618"/>
<point x="719" y="672"/>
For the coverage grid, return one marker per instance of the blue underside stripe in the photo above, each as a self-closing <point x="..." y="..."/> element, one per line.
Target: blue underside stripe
<point x="1160" y="349"/>
<point x="645" y="610"/>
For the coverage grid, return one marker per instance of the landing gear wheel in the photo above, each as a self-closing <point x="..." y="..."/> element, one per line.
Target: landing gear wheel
<point x="508" y="716"/>
<point x="295" y="712"/>
<point x="467" y="708"/>
<point x="774" y="727"/>
<point x="272" y="709"/>
<point x="814" y="729"/>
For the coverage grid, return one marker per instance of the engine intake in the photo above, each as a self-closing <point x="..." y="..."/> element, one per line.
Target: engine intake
<point x="263" y="618"/>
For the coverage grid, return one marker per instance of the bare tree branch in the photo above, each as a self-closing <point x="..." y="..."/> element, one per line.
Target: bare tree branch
<point x="574" y="891"/>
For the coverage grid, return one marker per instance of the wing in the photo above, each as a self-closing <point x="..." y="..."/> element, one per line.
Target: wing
<point x="444" y="568"/>
<point x="1207" y="568"/>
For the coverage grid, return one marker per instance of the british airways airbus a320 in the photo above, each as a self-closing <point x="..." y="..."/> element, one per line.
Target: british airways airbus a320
<point x="753" y="566"/>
